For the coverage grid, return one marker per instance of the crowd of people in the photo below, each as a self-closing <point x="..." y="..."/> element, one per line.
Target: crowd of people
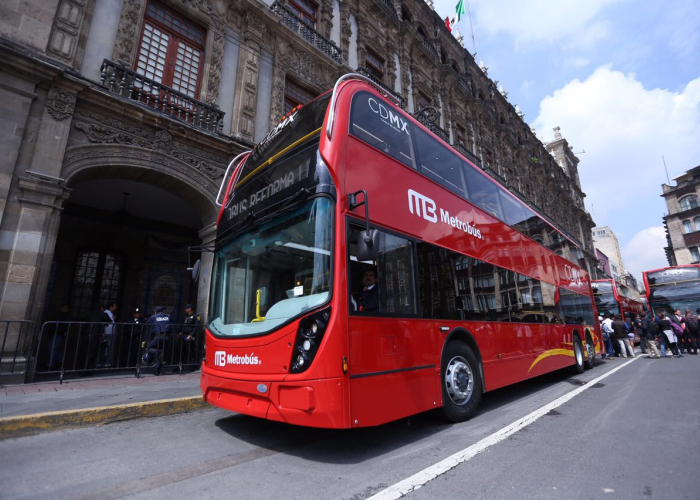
<point x="658" y="334"/>
<point x="103" y="342"/>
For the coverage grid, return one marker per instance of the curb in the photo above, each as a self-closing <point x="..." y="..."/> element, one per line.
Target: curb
<point x="27" y="425"/>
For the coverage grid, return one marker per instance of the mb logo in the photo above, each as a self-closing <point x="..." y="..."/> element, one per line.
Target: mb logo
<point x="220" y="358"/>
<point x="421" y="206"/>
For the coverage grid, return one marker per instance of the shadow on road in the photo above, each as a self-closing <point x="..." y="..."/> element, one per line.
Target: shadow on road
<point x="358" y="445"/>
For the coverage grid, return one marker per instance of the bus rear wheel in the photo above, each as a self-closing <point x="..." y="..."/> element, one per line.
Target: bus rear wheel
<point x="578" y="355"/>
<point x="461" y="382"/>
<point x="590" y="349"/>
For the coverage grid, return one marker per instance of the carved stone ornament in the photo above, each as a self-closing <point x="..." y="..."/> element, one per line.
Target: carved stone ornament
<point x="112" y="131"/>
<point x="60" y="103"/>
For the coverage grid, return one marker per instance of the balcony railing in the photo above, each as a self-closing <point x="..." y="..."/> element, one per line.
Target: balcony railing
<point x="429" y="48"/>
<point x="379" y="83"/>
<point x="389" y="8"/>
<point x="292" y="21"/>
<point x="430" y="125"/>
<point x="128" y="84"/>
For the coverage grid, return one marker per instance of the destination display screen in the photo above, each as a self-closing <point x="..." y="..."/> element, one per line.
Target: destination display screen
<point x="271" y="187"/>
<point x="600" y="288"/>
<point x="669" y="276"/>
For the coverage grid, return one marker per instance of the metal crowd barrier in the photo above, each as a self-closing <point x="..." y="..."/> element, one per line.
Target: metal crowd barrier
<point x="15" y="342"/>
<point x="81" y="348"/>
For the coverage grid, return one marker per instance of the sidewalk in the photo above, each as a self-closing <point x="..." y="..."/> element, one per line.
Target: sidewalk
<point x="30" y="408"/>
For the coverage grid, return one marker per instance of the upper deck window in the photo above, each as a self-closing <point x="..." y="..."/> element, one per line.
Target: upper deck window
<point x="380" y="125"/>
<point x="438" y="163"/>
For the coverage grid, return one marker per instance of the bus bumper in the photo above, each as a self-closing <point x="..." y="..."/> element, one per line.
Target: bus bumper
<point x="313" y="403"/>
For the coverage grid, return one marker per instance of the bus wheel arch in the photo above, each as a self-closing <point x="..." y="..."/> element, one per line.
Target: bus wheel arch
<point x="461" y="377"/>
<point x="578" y="353"/>
<point x="590" y="350"/>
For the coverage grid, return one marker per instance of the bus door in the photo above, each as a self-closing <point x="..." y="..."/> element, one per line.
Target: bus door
<point x="392" y="373"/>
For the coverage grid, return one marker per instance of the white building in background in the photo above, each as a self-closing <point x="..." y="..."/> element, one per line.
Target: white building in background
<point x="604" y="239"/>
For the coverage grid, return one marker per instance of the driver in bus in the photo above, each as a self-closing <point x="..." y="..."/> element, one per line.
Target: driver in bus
<point x="368" y="298"/>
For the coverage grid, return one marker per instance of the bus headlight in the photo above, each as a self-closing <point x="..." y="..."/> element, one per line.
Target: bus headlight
<point x="309" y="336"/>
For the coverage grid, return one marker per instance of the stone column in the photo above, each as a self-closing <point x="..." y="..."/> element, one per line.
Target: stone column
<point x="247" y="85"/>
<point x="39" y="201"/>
<point x="207" y="235"/>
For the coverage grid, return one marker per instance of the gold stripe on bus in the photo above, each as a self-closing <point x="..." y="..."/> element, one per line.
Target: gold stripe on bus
<point x="551" y="352"/>
<point x="268" y="162"/>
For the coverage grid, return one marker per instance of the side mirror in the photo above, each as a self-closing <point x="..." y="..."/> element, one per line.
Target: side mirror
<point x="195" y="270"/>
<point x="368" y="245"/>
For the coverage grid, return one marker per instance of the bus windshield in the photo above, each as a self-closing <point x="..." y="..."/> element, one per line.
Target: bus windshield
<point x="268" y="275"/>
<point x="605" y="300"/>
<point x="676" y="288"/>
<point x="672" y="296"/>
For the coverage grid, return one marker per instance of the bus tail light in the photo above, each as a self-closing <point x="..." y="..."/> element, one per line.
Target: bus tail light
<point x="309" y="336"/>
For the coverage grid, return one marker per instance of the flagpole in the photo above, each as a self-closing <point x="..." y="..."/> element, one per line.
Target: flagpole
<point x="469" y="10"/>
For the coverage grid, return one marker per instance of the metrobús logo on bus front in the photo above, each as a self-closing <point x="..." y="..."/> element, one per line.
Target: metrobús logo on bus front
<point x="422" y="206"/>
<point x="223" y="359"/>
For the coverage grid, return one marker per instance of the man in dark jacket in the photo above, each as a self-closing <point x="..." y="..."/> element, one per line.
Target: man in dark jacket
<point x="692" y="331"/>
<point x="621" y="331"/>
<point x="159" y="334"/>
<point x="368" y="298"/>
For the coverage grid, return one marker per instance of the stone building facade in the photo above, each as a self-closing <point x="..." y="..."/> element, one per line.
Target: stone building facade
<point x="119" y="118"/>
<point x="683" y="219"/>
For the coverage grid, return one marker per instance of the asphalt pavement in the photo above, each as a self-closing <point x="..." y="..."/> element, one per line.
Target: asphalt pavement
<point x="633" y="434"/>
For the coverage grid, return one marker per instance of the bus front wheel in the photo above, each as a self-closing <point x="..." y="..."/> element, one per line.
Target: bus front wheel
<point x="461" y="382"/>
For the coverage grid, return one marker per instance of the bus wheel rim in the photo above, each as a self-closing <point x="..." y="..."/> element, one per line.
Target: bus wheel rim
<point x="578" y="352"/>
<point x="591" y="351"/>
<point x="459" y="380"/>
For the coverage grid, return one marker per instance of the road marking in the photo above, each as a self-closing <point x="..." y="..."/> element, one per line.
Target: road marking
<point x="419" y="479"/>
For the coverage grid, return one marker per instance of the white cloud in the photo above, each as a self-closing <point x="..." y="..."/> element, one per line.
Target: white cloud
<point x="541" y="21"/>
<point x="645" y="251"/>
<point x="625" y="130"/>
<point x="578" y="62"/>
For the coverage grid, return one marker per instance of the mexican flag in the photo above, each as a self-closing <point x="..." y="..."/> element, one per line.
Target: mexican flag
<point x="460" y="9"/>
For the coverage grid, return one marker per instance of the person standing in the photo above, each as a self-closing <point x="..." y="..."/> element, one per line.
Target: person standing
<point x="692" y="332"/>
<point x="678" y="320"/>
<point x="621" y="331"/>
<point x="666" y="328"/>
<point x="606" y="327"/>
<point x="190" y="333"/>
<point x="58" y="338"/>
<point x="98" y="319"/>
<point x="109" y="336"/>
<point x="159" y="331"/>
<point x="649" y="330"/>
<point x="637" y="327"/>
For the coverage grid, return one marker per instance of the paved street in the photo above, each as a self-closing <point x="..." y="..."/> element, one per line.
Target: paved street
<point x="633" y="434"/>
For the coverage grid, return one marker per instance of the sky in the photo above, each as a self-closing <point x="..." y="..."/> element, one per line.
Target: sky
<point x="622" y="80"/>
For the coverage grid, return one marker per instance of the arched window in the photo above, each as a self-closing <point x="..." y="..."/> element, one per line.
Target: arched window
<point x="694" y="254"/>
<point x="690" y="201"/>
<point x="696" y="221"/>
<point x="97" y="280"/>
<point x="687" y="227"/>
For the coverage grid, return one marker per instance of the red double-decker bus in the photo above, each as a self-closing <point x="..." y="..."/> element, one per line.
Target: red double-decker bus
<point x="672" y="288"/>
<point x="615" y="298"/>
<point x="365" y="271"/>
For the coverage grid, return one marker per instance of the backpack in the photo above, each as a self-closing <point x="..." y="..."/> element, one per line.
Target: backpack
<point x="691" y="323"/>
<point x="677" y="329"/>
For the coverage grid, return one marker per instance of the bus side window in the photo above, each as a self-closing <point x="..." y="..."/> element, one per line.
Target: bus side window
<point x="379" y="124"/>
<point x="393" y="291"/>
<point x="438" y="163"/>
<point x="482" y="192"/>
